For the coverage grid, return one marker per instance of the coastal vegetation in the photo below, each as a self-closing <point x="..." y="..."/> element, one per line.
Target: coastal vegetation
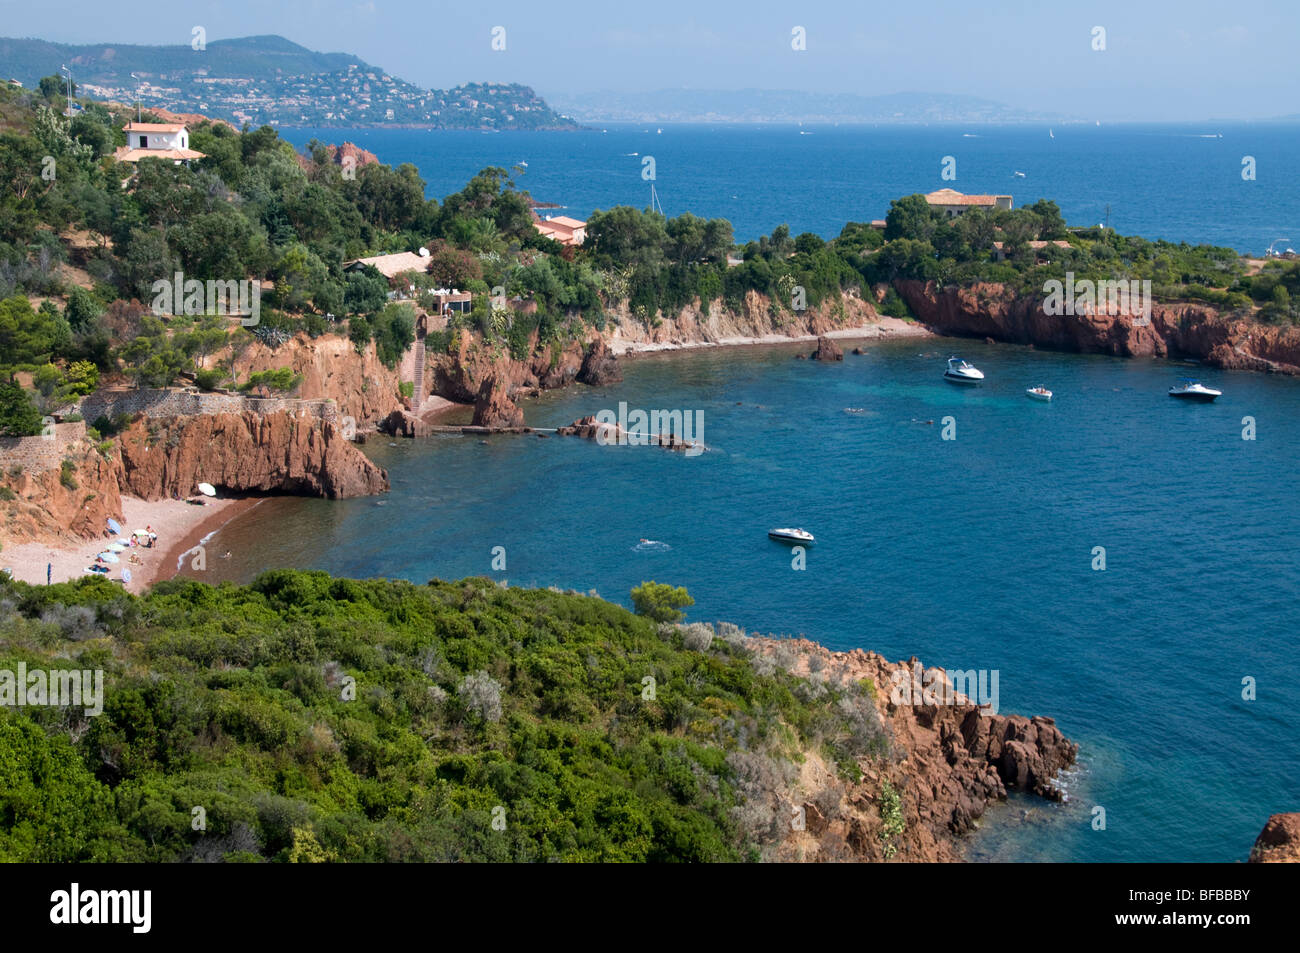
<point x="84" y="239"/>
<point x="310" y="718"/>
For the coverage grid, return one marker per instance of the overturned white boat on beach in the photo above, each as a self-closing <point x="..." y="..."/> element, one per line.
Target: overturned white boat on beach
<point x="786" y="535"/>
<point x="959" y="372"/>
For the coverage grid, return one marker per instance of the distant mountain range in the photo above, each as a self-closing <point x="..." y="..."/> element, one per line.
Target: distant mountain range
<point x="769" y="105"/>
<point x="268" y="79"/>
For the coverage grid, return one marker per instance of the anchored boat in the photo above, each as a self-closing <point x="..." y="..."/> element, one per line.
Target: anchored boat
<point x="1194" y="391"/>
<point x="786" y="535"/>
<point x="959" y="372"/>
<point x="1038" y="393"/>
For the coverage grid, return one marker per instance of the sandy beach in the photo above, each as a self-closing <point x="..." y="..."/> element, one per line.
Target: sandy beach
<point x="179" y="525"/>
<point x="886" y="327"/>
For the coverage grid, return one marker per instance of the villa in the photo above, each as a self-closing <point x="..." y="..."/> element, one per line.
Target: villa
<point x="561" y="228"/>
<point x="955" y="203"/>
<point x="156" y="140"/>
<point x="390" y="266"/>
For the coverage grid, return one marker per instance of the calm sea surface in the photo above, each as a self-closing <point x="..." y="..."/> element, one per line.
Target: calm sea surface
<point x="1180" y="183"/>
<point x="974" y="553"/>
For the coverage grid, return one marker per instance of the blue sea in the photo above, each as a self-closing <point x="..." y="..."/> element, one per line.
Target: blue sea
<point x="974" y="553"/>
<point x="971" y="553"/>
<point x="1175" y="182"/>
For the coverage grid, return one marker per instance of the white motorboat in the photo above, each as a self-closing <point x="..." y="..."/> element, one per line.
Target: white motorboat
<point x="1038" y="393"/>
<point x="786" y="535"/>
<point x="1194" y="390"/>
<point x="959" y="372"/>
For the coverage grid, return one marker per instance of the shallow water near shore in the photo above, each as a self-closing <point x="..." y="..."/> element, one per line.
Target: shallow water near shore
<point x="973" y="553"/>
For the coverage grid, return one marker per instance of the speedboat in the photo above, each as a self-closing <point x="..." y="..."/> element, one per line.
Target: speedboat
<point x="959" y="372"/>
<point x="1194" y="390"/>
<point x="790" y="535"/>
<point x="1039" y="393"/>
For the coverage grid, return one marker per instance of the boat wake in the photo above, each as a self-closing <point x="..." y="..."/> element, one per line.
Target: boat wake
<point x="651" y="546"/>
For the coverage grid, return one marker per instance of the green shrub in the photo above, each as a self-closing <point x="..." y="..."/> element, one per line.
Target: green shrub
<point x="209" y="379"/>
<point x="661" y="601"/>
<point x="67" y="474"/>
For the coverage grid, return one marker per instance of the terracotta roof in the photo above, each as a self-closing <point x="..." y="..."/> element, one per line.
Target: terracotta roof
<point x="155" y="127"/>
<point x="1039" y="244"/>
<point x="123" y="154"/>
<point x="952" y="197"/>
<point x="569" y="223"/>
<point x="560" y="233"/>
<point x="392" y="265"/>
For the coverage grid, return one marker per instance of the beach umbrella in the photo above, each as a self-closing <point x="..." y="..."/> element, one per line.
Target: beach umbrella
<point x="109" y="557"/>
<point x="207" y="489"/>
<point x="126" y="575"/>
<point x="116" y="547"/>
<point x="141" y="532"/>
<point x="114" y="527"/>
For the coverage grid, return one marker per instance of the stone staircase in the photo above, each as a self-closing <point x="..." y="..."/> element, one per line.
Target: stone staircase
<point x="417" y="376"/>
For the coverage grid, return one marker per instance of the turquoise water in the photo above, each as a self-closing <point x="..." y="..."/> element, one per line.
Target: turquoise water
<point x="1176" y="182"/>
<point x="974" y="553"/>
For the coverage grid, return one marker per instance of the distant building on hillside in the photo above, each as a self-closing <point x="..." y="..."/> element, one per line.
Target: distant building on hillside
<point x="156" y="140"/>
<point x="390" y="266"/>
<point x="1000" y="254"/>
<point x="955" y="203"/>
<point x="561" y="228"/>
<point x="449" y="300"/>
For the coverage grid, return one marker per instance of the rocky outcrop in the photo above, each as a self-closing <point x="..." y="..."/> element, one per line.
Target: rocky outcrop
<point x="51" y="506"/>
<point x="494" y="408"/>
<point x="348" y="156"/>
<point x="757" y="317"/>
<point x="946" y="758"/>
<point x="1279" y="841"/>
<point x="1176" y="329"/>
<point x="600" y="366"/>
<point x="401" y="423"/>
<point x="247" y="452"/>
<point x="827" y="350"/>
<point x="613" y="435"/>
<point x="363" y="387"/>
<point x="458" y="374"/>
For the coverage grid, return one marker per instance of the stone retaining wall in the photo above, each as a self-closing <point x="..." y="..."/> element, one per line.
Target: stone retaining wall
<point x="38" y="454"/>
<point x="185" y="403"/>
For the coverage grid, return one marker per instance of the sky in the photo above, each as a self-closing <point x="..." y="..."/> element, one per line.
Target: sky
<point x="1163" y="60"/>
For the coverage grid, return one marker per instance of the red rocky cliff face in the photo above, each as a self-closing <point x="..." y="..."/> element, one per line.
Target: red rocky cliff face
<point x="274" y="453"/>
<point x="1279" y="841"/>
<point x="1176" y="329"/>
<point x="947" y="762"/>
<point x="45" y="508"/>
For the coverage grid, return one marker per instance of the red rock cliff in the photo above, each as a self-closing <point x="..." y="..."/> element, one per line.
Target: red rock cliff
<point x="274" y="453"/>
<point x="1177" y="329"/>
<point x="947" y="762"/>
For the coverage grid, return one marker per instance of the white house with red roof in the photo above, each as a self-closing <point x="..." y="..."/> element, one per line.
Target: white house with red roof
<point x="156" y="140"/>
<point x="956" y="203"/>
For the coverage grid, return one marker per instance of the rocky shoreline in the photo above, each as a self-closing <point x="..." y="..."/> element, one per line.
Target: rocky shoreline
<point x="1176" y="329"/>
<point x="946" y="762"/>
